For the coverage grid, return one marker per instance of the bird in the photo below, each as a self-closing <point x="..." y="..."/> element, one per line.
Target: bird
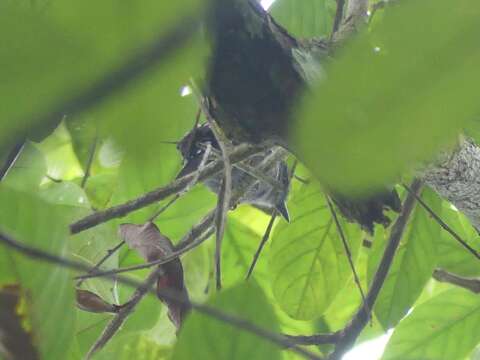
<point x="256" y="74"/>
<point x="260" y="194"/>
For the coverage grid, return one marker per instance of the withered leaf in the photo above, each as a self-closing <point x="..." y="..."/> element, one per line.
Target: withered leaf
<point x="147" y="239"/>
<point x="15" y="341"/>
<point x="91" y="302"/>
<point x="153" y="245"/>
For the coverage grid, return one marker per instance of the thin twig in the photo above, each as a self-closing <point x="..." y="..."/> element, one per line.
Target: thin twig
<point x="338" y="15"/>
<point x="110" y="252"/>
<point x="124" y="312"/>
<point x="348" y="253"/>
<point x="11" y="158"/>
<point x="164" y="207"/>
<point x="239" y="153"/>
<point x="350" y="333"/>
<point x="232" y="320"/>
<point x="225" y="194"/>
<point x="265" y="238"/>
<point x="144" y="60"/>
<point x="472" y="284"/>
<point x="443" y="224"/>
<point x="220" y="222"/>
<point x="88" y="166"/>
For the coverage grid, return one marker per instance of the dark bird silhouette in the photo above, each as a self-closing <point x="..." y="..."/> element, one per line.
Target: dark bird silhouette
<point x="259" y="194"/>
<point x="256" y="74"/>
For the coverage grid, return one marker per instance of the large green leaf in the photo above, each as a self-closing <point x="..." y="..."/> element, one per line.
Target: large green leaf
<point x="39" y="224"/>
<point x="50" y="55"/>
<point x="308" y="265"/>
<point x="306" y="18"/>
<point x="204" y="338"/>
<point x="412" y="266"/>
<point x="389" y="104"/>
<point x="443" y="328"/>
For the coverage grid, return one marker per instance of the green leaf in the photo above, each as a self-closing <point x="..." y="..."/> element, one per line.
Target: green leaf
<point x="84" y="134"/>
<point x="154" y="110"/>
<point x="452" y="256"/>
<point x="383" y="111"/>
<point x="137" y="346"/>
<point x="306" y="18"/>
<point x="28" y="170"/>
<point x="348" y="300"/>
<point x="100" y="188"/>
<point x="61" y="160"/>
<point x="443" y="328"/>
<point x="308" y="265"/>
<point x="239" y="246"/>
<point x="48" y="56"/>
<point x="204" y="338"/>
<point x="412" y="266"/>
<point x="39" y="224"/>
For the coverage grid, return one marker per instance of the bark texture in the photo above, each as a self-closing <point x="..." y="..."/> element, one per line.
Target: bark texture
<point x="456" y="177"/>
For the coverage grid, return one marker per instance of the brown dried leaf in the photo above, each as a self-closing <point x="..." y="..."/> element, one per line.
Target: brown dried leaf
<point x="91" y="302"/>
<point x="153" y="245"/>
<point x="147" y="240"/>
<point x="172" y="282"/>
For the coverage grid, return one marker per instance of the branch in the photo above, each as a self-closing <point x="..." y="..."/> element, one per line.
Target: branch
<point x="232" y="320"/>
<point x="124" y="312"/>
<point x="240" y="152"/>
<point x="125" y="75"/>
<point x="346" y="337"/>
<point x="467" y="283"/>
<point x="351" y="332"/>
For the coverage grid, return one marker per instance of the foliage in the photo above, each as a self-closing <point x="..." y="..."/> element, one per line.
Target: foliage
<point x="375" y="116"/>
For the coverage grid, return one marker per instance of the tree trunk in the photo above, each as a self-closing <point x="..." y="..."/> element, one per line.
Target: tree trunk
<point x="456" y="177"/>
